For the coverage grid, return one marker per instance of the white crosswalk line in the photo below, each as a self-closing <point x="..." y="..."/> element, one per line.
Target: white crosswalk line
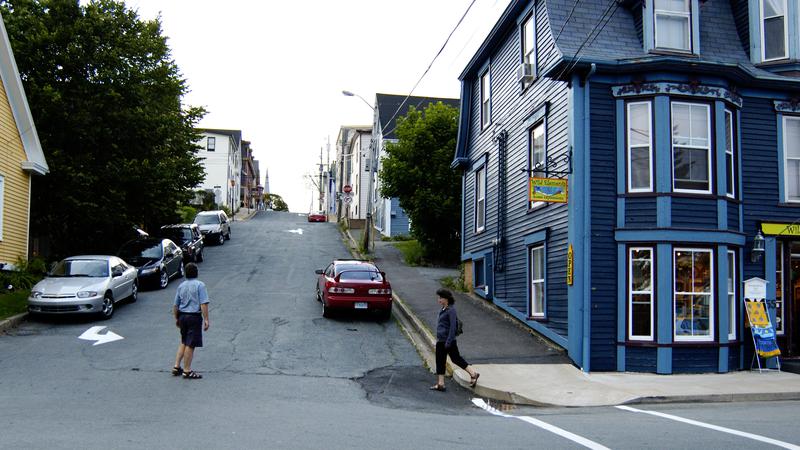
<point x="543" y="425"/>
<point x="755" y="437"/>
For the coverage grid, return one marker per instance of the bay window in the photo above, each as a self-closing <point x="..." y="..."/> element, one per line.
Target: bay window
<point x="640" y="147"/>
<point x="693" y="289"/>
<point x="672" y="19"/>
<point x="774" y="35"/>
<point x="691" y="147"/>
<point x="640" y="293"/>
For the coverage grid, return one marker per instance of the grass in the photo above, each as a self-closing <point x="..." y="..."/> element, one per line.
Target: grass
<point x="412" y="252"/>
<point x="13" y="303"/>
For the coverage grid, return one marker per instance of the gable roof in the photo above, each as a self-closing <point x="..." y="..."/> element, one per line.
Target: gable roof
<point x="236" y="135"/>
<point x="12" y="82"/>
<point x="386" y="106"/>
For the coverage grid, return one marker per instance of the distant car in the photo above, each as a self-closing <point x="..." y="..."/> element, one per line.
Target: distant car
<point x="318" y="216"/>
<point x="188" y="238"/>
<point x="156" y="259"/>
<point x="353" y="285"/>
<point x="88" y="284"/>
<point x="214" y="226"/>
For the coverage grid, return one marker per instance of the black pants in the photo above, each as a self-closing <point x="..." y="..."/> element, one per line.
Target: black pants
<point x="441" y="357"/>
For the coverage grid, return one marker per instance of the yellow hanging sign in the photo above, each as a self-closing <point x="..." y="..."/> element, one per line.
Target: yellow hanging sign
<point x="570" y="265"/>
<point x="552" y="190"/>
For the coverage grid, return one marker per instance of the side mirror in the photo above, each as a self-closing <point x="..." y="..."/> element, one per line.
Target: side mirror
<point x="116" y="273"/>
<point x="319" y="271"/>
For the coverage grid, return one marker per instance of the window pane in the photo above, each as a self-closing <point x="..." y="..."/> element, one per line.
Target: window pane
<point x="793" y="179"/>
<point x="640" y="167"/>
<point x="672" y="32"/>
<point x="479" y="272"/>
<point x="528" y="41"/>
<point x="702" y="272"/>
<point x="773" y="8"/>
<point x="683" y="315"/>
<point x="639" y="122"/>
<point x="699" y="125"/>
<point x="537" y="298"/>
<point x="683" y="271"/>
<point x="537" y="147"/>
<point x="640" y="278"/>
<point x="691" y="169"/>
<point x="791" y="135"/>
<point x="729" y="171"/>
<point x="774" y="40"/>
<point x="537" y="263"/>
<point x="672" y="5"/>
<point x="680" y="125"/>
<point x="778" y="288"/>
<point x="640" y="309"/>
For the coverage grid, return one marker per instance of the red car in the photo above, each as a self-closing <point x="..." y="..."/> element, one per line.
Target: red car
<point x="317" y="217"/>
<point x="353" y="285"/>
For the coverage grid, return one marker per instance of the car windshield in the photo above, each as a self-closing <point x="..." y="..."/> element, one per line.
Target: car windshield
<point x="80" y="268"/>
<point x="177" y="234"/>
<point x="206" y="219"/>
<point x="141" y="249"/>
<point x="358" y="273"/>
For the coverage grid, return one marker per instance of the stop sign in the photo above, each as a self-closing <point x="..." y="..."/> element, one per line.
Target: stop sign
<point x="347" y="188"/>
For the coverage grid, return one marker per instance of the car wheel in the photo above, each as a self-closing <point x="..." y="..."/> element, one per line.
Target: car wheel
<point x="319" y="296"/>
<point x="181" y="271"/>
<point x="228" y="236"/>
<point x="163" y="280"/>
<point x="134" y="293"/>
<point x="107" y="309"/>
<point x="221" y="239"/>
<point x="326" y="312"/>
<point x="385" y="315"/>
<point x="199" y="256"/>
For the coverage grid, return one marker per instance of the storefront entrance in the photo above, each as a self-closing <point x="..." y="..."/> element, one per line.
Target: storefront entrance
<point x="792" y="293"/>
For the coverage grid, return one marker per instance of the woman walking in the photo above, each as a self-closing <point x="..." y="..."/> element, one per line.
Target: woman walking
<point x="446" y="341"/>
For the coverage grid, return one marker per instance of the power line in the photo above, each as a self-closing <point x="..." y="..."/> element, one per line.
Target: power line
<point x="563" y="25"/>
<point x="612" y="8"/>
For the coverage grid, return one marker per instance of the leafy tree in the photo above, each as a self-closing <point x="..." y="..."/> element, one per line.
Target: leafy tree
<point x="275" y="202"/>
<point x="417" y="171"/>
<point x="105" y="95"/>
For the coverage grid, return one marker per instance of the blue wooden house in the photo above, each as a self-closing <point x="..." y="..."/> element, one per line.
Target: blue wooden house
<point x="620" y="159"/>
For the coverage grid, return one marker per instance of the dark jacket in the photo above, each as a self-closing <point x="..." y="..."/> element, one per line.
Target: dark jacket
<point x="446" y="326"/>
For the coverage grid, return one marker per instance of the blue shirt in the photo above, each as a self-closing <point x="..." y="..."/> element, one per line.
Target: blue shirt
<point x="446" y="326"/>
<point x="190" y="295"/>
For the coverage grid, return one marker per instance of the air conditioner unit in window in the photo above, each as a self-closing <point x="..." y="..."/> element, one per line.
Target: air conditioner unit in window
<point x="525" y="73"/>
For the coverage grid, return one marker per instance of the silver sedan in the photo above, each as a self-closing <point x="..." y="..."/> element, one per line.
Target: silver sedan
<point x="90" y="284"/>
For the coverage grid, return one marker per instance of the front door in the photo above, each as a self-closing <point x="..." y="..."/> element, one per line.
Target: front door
<point x="793" y="294"/>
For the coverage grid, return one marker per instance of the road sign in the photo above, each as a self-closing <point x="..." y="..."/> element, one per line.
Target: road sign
<point x="347" y="189"/>
<point x="348" y="199"/>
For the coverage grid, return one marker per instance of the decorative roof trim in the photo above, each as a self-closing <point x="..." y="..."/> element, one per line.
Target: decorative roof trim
<point x="19" y="104"/>
<point x="688" y="89"/>
<point x="34" y="168"/>
<point x="787" y="106"/>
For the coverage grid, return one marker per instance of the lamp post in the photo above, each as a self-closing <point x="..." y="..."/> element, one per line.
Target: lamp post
<point x="373" y="164"/>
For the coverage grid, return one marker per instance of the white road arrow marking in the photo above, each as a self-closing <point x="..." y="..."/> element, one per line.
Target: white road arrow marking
<point x="93" y="334"/>
<point x="297" y="231"/>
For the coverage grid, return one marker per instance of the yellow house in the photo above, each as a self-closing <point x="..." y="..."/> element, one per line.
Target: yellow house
<point x="21" y="157"/>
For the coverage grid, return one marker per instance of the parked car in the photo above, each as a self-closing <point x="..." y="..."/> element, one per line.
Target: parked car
<point x="353" y="285"/>
<point x="87" y="284"/>
<point x="214" y="226"/>
<point x="188" y="238"/>
<point x="318" y="216"/>
<point x="156" y="259"/>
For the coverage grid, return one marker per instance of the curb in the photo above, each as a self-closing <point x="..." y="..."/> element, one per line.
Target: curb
<point x="12" y="322"/>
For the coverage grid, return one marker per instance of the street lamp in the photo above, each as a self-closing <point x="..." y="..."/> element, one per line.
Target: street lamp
<point x="372" y="167"/>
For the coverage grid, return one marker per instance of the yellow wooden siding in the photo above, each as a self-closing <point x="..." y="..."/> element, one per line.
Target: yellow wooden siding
<point x="14" y="243"/>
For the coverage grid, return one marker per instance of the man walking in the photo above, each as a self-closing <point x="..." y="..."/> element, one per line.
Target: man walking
<point x="191" y="317"/>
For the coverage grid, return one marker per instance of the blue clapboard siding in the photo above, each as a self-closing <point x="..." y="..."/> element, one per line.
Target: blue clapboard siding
<point x="640" y="359"/>
<point x="511" y="106"/>
<point x="733" y="358"/>
<point x="694" y="213"/>
<point x="695" y="360"/>
<point x="733" y="216"/>
<point x="603" y="213"/>
<point x="640" y="212"/>
<point x="399" y="219"/>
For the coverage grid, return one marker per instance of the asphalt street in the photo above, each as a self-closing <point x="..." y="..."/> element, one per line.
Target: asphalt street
<point x="278" y="375"/>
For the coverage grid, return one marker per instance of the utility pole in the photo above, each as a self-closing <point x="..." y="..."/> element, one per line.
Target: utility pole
<point x="321" y="196"/>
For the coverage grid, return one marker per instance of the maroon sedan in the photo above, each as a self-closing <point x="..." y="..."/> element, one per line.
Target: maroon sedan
<point x="353" y="285"/>
<point x="318" y="216"/>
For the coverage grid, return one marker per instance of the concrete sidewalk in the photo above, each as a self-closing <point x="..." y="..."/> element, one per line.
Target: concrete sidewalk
<point x="517" y="366"/>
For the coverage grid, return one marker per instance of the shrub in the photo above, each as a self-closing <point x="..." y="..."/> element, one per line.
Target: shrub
<point x="456" y="283"/>
<point x="412" y="252"/>
<point x="27" y="274"/>
<point x="187" y="213"/>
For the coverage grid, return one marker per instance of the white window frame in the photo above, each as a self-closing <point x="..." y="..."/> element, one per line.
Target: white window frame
<point x="480" y="199"/>
<point x="732" y="295"/>
<point x="630" y="147"/>
<point x="786" y="159"/>
<point x="531" y="167"/>
<point x="711" y="311"/>
<point x="211" y="144"/>
<point x="730" y="153"/>
<point x="682" y="14"/>
<point x="707" y="148"/>
<point x="529" y="30"/>
<point x="631" y="293"/>
<point x="537" y="284"/>
<point x="763" y="30"/>
<point x="486" y="99"/>
<point x="779" y="289"/>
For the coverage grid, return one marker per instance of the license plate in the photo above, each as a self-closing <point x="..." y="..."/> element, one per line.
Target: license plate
<point x="361" y="305"/>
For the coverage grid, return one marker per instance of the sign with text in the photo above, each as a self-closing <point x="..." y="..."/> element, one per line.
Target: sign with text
<point x="570" y="265"/>
<point x="781" y="229"/>
<point x="552" y="190"/>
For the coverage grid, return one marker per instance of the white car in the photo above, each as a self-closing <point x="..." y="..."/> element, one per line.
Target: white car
<point x="85" y="284"/>
<point x="214" y="225"/>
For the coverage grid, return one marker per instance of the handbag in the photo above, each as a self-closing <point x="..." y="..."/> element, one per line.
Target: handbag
<point x="459" y="327"/>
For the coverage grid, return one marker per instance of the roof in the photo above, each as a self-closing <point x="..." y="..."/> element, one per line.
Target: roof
<point x="20" y="109"/>
<point x="236" y="135"/>
<point x="389" y="107"/>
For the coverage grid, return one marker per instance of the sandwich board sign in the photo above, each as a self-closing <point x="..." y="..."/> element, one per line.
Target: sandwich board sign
<point x="764" y="343"/>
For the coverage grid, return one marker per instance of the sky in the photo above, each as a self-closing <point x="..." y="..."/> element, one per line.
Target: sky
<point x="276" y="69"/>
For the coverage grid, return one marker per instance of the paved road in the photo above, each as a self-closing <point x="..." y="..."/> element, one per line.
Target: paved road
<point x="277" y="375"/>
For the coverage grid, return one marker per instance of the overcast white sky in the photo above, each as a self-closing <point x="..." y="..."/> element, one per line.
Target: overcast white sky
<point x="276" y="69"/>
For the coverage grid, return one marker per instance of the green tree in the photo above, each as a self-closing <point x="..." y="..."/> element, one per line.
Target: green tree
<point x="275" y="202"/>
<point x="417" y="171"/>
<point x="106" y="96"/>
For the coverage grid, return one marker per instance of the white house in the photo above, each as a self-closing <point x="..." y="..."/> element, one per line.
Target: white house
<point x="221" y="155"/>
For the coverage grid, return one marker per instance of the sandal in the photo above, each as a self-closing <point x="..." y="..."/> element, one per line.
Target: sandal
<point x="192" y="375"/>
<point x="176" y="371"/>
<point x="474" y="380"/>
<point x="438" y="387"/>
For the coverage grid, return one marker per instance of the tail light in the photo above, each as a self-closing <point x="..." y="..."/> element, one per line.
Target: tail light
<point x="341" y="290"/>
<point x="380" y="291"/>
